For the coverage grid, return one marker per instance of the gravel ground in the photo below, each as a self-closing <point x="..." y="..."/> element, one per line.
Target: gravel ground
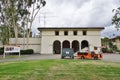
<point x="106" y="57"/>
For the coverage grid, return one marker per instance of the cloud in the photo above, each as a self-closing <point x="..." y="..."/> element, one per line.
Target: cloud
<point x="68" y="12"/>
<point x="110" y="32"/>
<point x="102" y="12"/>
<point x="77" y="13"/>
<point x="81" y="12"/>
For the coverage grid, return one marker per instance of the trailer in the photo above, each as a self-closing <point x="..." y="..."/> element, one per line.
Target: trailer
<point x="67" y="53"/>
<point x="89" y="55"/>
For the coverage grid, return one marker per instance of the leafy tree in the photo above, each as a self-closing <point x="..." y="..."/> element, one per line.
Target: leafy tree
<point x="105" y="42"/>
<point x="32" y="8"/>
<point x="116" y="17"/>
<point x="4" y="37"/>
<point x="10" y="15"/>
<point x="19" y="13"/>
<point x="112" y="47"/>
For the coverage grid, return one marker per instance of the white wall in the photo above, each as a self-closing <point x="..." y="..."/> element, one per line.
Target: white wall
<point x="44" y="45"/>
<point x="48" y="37"/>
<point x="34" y="43"/>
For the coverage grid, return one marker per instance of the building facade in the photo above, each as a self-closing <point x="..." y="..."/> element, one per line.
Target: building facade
<point x="53" y="39"/>
<point x="116" y="41"/>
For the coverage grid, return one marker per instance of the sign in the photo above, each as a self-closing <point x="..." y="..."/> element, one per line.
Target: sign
<point x="11" y="49"/>
<point x="67" y="52"/>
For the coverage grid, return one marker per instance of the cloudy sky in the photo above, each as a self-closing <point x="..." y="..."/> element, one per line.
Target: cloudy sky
<point x="78" y="13"/>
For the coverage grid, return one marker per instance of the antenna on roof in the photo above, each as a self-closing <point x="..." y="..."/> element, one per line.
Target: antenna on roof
<point x="44" y="17"/>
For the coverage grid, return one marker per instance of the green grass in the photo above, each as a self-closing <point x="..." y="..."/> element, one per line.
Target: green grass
<point x="60" y="70"/>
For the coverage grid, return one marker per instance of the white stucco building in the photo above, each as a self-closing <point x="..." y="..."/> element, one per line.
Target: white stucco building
<point x="53" y="39"/>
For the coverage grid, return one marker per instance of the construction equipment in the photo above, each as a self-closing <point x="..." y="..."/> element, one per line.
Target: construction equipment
<point x="89" y="55"/>
<point x="67" y="52"/>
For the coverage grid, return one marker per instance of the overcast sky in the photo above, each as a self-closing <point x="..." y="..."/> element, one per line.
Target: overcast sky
<point x="77" y="13"/>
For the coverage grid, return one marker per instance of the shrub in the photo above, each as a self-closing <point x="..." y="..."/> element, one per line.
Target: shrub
<point x="106" y="50"/>
<point x="1" y="50"/>
<point x="118" y="51"/>
<point x="27" y="51"/>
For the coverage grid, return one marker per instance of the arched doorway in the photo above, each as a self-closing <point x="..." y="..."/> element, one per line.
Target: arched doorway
<point x="75" y="45"/>
<point x="56" y="47"/>
<point x="66" y="44"/>
<point x="84" y="45"/>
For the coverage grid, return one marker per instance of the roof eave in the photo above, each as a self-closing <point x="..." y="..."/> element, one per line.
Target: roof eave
<point x="70" y="28"/>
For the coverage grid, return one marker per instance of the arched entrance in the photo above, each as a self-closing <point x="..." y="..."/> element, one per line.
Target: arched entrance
<point x="66" y="44"/>
<point x="75" y="45"/>
<point x="56" y="47"/>
<point x="84" y="45"/>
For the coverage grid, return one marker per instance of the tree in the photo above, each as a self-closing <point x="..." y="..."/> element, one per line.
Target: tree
<point x="105" y="42"/>
<point x="29" y="11"/>
<point x="10" y="16"/>
<point x="4" y="37"/>
<point x="32" y="7"/>
<point x="112" y="46"/>
<point x="116" y="17"/>
<point x="17" y="13"/>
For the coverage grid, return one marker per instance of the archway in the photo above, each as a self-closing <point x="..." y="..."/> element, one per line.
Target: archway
<point x="66" y="44"/>
<point x="85" y="45"/>
<point x="56" y="47"/>
<point x="75" y="45"/>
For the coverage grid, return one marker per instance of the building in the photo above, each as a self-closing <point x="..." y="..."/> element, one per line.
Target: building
<point x="53" y="39"/>
<point x="116" y="41"/>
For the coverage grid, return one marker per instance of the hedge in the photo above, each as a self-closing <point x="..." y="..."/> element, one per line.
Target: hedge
<point x="1" y="50"/>
<point x="118" y="51"/>
<point x="27" y="51"/>
<point x="106" y="50"/>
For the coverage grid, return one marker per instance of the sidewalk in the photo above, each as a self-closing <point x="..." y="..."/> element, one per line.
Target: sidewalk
<point x="32" y="57"/>
<point x="111" y="57"/>
<point x="106" y="57"/>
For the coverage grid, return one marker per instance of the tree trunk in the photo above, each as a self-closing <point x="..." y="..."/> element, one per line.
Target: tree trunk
<point x="16" y="35"/>
<point x="15" y="30"/>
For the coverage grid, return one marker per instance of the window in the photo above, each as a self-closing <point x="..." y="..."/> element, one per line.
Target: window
<point x="84" y="33"/>
<point x="65" y="32"/>
<point x="74" y="32"/>
<point x="56" y="33"/>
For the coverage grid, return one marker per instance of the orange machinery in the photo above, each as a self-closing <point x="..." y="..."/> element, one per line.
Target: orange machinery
<point x="89" y="55"/>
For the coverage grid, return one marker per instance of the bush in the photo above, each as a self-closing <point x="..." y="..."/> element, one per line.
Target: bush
<point x="106" y="50"/>
<point x="1" y="50"/>
<point x="118" y="51"/>
<point x="27" y="51"/>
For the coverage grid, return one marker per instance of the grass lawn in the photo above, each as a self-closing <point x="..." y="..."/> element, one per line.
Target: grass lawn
<point x="67" y="69"/>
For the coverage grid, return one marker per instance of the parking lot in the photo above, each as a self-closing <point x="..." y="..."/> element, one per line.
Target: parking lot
<point x="106" y="57"/>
